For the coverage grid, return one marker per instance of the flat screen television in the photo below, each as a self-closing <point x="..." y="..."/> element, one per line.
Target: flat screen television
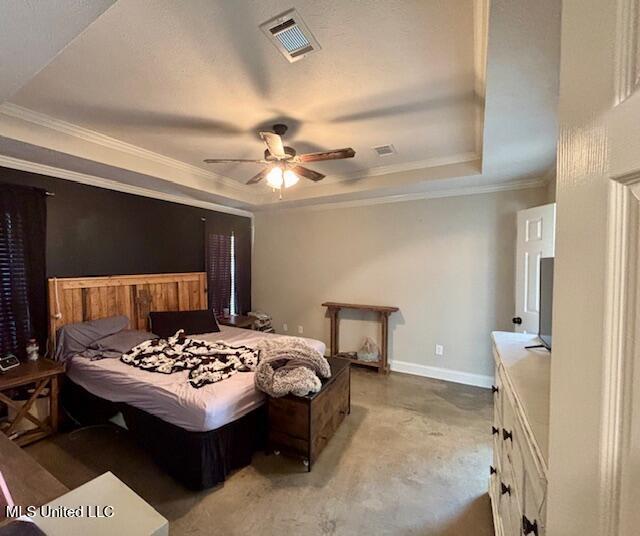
<point x="546" y="301"/>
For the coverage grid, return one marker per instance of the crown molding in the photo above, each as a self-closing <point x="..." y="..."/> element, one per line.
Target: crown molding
<point x="64" y="127"/>
<point x="92" y="180"/>
<point x="522" y="184"/>
<point x="85" y="134"/>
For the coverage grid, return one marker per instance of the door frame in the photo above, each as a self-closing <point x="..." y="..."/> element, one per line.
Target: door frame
<point x="622" y="314"/>
<point x="622" y="306"/>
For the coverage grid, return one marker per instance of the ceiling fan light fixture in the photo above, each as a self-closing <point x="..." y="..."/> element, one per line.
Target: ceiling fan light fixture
<point x="290" y="178"/>
<point x="274" y="177"/>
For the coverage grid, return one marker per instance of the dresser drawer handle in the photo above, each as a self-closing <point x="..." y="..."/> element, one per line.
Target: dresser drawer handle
<point x="504" y="489"/>
<point x="528" y="527"/>
<point x="495" y="389"/>
<point x="507" y="435"/>
<point x="492" y="470"/>
<point x="495" y="430"/>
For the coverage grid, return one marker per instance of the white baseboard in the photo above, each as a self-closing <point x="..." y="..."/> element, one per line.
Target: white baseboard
<point x="439" y="373"/>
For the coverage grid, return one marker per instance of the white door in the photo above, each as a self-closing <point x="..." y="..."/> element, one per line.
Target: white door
<point x="536" y="239"/>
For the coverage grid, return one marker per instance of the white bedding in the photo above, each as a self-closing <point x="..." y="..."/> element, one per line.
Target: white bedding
<point x="170" y="396"/>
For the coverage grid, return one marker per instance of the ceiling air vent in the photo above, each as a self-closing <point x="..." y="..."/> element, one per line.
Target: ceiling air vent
<point x="385" y="150"/>
<point x="290" y="35"/>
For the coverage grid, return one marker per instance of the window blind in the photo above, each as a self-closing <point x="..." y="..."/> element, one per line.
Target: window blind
<point x="219" y="271"/>
<point x="23" y="312"/>
<point x="227" y="245"/>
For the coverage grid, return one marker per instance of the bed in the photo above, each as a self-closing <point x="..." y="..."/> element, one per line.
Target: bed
<point x="197" y="435"/>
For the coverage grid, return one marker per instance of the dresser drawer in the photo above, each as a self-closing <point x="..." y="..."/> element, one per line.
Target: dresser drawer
<point x="497" y="394"/>
<point x="513" y="442"/>
<point x="535" y="505"/>
<point x="509" y="506"/>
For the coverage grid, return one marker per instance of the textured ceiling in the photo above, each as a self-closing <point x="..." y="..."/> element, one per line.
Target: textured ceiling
<point x="33" y="33"/>
<point x="135" y="95"/>
<point x="197" y="79"/>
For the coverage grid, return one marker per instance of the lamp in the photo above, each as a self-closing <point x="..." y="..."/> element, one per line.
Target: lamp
<point x="274" y="177"/>
<point x="290" y="178"/>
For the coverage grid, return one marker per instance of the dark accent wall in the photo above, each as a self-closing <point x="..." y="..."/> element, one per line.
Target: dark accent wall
<point x="93" y="231"/>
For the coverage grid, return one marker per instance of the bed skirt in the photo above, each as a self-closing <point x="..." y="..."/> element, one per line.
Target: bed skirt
<point x="198" y="460"/>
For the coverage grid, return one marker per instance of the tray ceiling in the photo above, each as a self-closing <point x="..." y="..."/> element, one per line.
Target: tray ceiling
<point x="190" y="80"/>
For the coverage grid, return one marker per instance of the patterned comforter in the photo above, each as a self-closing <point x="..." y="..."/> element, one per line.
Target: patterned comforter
<point x="207" y="362"/>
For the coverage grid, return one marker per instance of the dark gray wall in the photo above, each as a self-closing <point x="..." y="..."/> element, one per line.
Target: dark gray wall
<point x="93" y="231"/>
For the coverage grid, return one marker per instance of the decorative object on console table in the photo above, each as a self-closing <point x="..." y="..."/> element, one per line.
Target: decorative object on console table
<point x="237" y="321"/>
<point x="44" y="374"/>
<point x="333" y="308"/>
<point x="301" y="426"/>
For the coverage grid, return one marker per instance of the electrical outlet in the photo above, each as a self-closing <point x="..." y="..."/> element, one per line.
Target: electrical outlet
<point x="439" y="349"/>
<point x="300" y="330"/>
<point x="285" y="327"/>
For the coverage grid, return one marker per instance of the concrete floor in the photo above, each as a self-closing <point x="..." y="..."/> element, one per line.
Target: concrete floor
<point x="411" y="459"/>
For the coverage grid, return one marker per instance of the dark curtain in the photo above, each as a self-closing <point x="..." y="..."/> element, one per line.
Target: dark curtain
<point x="23" y="307"/>
<point x="243" y="239"/>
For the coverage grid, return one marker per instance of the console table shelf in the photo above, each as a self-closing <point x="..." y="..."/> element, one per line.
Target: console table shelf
<point x="334" y="308"/>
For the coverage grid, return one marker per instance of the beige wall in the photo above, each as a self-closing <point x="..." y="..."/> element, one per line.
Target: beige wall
<point x="447" y="263"/>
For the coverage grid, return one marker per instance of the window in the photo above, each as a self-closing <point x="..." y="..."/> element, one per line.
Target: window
<point x="233" y="307"/>
<point x="228" y="244"/>
<point x="221" y="272"/>
<point x="22" y="268"/>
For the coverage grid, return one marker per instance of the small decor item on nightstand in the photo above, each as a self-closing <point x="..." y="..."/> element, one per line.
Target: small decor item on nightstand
<point x="369" y="351"/>
<point x="33" y="350"/>
<point x="8" y="362"/>
<point x="262" y="321"/>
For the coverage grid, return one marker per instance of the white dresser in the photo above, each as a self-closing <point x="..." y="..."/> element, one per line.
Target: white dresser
<point x="518" y="483"/>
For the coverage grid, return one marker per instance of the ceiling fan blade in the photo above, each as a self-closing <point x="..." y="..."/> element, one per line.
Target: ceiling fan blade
<point x="307" y="173"/>
<point x="336" y="154"/>
<point x="258" y="176"/>
<point x="231" y="160"/>
<point x="274" y="144"/>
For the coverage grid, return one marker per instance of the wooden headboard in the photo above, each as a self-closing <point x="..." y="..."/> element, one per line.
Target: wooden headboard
<point x="77" y="299"/>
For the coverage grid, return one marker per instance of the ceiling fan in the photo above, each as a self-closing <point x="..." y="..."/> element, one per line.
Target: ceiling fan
<point x="282" y="163"/>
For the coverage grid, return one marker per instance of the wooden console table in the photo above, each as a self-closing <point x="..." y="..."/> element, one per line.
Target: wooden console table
<point x="383" y="311"/>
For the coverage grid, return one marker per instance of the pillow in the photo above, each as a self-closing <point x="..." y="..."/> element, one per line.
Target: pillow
<point x="121" y="342"/>
<point x="76" y="338"/>
<point x="166" y="323"/>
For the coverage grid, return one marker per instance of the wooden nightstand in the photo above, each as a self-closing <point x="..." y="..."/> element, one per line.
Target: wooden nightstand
<point x="237" y="321"/>
<point x="42" y="373"/>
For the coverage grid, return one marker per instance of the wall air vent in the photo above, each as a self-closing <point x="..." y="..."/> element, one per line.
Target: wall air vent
<point x="290" y="35"/>
<point x="384" y="150"/>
